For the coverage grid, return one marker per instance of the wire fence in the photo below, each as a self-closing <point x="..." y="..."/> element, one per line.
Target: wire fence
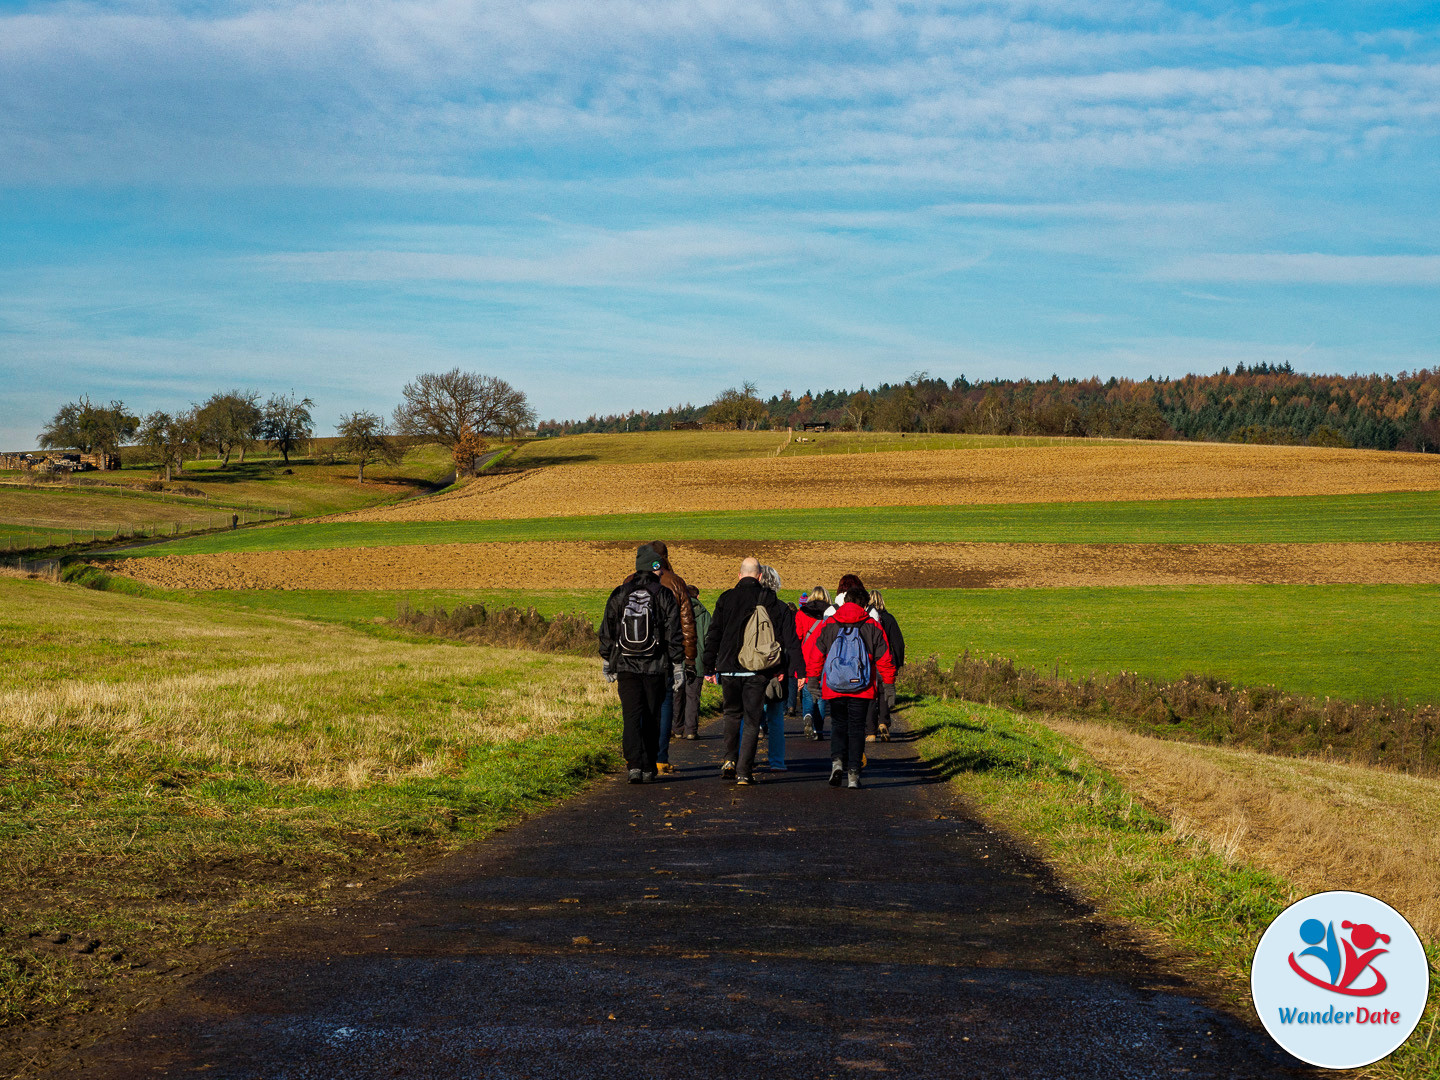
<point x="39" y="539"/>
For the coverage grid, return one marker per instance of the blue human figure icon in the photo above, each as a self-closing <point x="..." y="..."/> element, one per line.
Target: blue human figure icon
<point x="1312" y="932"/>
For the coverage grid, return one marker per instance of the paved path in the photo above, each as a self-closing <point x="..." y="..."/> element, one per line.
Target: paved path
<point x="693" y="929"/>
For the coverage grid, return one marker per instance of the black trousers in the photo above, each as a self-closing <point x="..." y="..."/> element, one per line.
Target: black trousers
<point x="744" y="697"/>
<point x="847" y="730"/>
<point x="640" y="699"/>
<point x="693" y="684"/>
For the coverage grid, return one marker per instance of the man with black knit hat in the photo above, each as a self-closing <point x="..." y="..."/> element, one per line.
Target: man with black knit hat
<point x="643" y="646"/>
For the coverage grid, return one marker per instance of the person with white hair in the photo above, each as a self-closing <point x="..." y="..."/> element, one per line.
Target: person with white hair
<point x="750" y="641"/>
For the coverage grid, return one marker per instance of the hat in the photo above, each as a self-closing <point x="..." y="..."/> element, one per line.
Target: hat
<point x="646" y="561"/>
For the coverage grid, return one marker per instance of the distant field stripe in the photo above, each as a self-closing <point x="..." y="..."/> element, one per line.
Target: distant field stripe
<point x="1347" y="641"/>
<point x="1273" y="519"/>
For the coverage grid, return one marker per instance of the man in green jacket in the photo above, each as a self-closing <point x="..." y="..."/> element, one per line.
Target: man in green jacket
<point x="694" y="673"/>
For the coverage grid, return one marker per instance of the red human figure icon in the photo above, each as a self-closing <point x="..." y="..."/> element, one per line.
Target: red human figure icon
<point x="1363" y="935"/>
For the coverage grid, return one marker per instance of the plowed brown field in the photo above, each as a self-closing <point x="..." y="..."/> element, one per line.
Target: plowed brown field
<point x="1079" y="472"/>
<point x="712" y="564"/>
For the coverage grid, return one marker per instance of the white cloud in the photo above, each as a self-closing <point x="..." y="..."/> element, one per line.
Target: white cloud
<point x="1306" y="269"/>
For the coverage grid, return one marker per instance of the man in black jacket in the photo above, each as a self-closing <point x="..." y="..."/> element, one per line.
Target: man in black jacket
<point x="643" y="646"/>
<point x="877" y="724"/>
<point x="743" y="689"/>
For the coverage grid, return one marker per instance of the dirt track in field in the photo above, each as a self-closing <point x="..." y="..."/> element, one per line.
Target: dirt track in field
<point x="1077" y="472"/>
<point x="712" y="564"/>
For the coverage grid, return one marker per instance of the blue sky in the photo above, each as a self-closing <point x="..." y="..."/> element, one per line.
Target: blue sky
<point x="618" y="204"/>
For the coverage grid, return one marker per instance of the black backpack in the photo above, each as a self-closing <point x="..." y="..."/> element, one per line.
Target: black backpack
<point x="640" y="621"/>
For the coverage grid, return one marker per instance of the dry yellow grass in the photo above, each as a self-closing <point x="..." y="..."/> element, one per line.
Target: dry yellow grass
<point x="711" y="564"/>
<point x="1080" y="471"/>
<point x="1317" y="824"/>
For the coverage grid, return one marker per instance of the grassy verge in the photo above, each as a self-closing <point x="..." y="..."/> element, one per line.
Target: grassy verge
<point x="167" y="771"/>
<point x="1201" y="897"/>
<point x="1355" y="642"/>
<point x="1403" y="516"/>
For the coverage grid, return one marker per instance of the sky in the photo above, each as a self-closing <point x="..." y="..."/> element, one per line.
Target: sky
<point x="622" y="205"/>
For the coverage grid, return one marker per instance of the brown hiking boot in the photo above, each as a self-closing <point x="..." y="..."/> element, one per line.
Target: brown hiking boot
<point x="883" y="732"/>
<point x="664" y="768"/>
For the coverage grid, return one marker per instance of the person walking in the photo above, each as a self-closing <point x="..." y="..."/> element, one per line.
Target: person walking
<point x="884" y="704"/>
<point x="749" y="643"/>
<point x="678" y="589"/>
<point x="643" y="647"/>
<point x="808" y="618"/>
<point x="694" y="673"/>
<point x="848" y="661"/>
<point x="777" y="690"/>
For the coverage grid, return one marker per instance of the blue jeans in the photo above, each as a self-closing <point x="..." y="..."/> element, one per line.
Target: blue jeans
<point x="667" y="721"/>
<point x="816" y="709"/>
<point x="775" y="733"/>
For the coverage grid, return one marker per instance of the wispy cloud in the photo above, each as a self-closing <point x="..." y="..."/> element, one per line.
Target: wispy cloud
<point x="1307" y="269"/>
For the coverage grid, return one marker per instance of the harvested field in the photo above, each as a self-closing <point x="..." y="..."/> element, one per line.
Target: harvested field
<point x="1294" y="816"/>
<point x="712" y="564"/>
<point x="1078" y="472"/>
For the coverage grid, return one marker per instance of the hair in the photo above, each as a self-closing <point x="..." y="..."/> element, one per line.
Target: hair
<point x="877" y="600"/>
<point x="693" y="592"/>
<point x="854" y="590"/>
<point x="770" y="577"/>
<point x="819" y="593"/>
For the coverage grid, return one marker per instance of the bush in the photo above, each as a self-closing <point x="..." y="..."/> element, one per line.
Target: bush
<point x="508" y="628"/>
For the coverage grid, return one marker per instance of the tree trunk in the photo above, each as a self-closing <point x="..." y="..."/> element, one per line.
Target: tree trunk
<point x="167" y="472"/>
<point x="225" y="463"/>
<point x="362" y="472"/>
<point x="242" y="454"/>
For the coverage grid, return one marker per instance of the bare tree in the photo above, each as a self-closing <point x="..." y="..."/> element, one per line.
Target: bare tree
<point x="447" y="407"/>
<point x="859" y="409"/>
<point x="741" y="407"/>
<point x="230" y="422"/>
<point x="167" y="438"/>
<point x="90" y="428"/>
<point x="286" y="424"/>
<point x="364" y="438"/>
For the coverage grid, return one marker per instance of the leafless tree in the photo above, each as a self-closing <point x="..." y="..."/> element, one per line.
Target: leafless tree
<point x="364" y="438"/>
<point x="444" y="407"/>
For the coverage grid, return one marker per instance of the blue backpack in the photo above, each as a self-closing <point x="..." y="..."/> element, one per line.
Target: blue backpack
<point x="847" y="664"/>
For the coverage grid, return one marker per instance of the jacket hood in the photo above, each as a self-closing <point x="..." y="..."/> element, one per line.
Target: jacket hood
<point x="815" y="608"/>
<point x="849" y="612"/>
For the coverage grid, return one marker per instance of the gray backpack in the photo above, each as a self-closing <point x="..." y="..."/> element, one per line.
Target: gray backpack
<point x="759" y="649"/>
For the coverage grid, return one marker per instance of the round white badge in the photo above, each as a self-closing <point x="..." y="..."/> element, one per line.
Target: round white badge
<point x="1340" y="980"/>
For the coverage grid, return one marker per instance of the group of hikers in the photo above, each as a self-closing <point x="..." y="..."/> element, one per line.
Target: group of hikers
<point x="830" y="659"/>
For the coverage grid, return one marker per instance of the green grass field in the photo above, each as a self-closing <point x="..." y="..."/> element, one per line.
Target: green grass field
<point x="166" y="771"/>
<point x="313" y="486"/>
<point x="1284" y="519"/>
<point x="1335" y="640"/>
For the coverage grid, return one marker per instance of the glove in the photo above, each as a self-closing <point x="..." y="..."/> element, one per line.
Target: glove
<point x="679" y="681"/>
<point x="812" y="684"/>
<point x="609" y="672"/>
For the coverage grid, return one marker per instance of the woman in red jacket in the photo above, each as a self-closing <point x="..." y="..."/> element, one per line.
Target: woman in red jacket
<point x="807" y="621"/>
<point x="846" y="660"/>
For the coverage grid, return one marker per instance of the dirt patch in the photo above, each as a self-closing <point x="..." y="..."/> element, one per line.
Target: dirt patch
<point x="1072" y="473"/>
<point x="712" y="564"/>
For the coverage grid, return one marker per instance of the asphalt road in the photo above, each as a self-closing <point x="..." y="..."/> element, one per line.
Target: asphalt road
<point x="693" y="929"/>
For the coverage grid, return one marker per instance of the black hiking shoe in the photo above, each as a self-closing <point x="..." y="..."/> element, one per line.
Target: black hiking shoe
<point x="635" y="777"/>
<point x="854" y="778"/>
<point x="727" y="771"/>
<point x="744" y="781"/>
<point x="648" y="776"/>
<point x="837" y="772"/>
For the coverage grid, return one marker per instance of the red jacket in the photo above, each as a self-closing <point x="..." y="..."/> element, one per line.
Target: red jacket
<point x="882" y="668"/>
<point x="811" y="614"/>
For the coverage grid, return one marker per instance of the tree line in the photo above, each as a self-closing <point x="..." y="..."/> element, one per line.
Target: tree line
<point x="460" y="410"/>
<point x="1260" y="404"/>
